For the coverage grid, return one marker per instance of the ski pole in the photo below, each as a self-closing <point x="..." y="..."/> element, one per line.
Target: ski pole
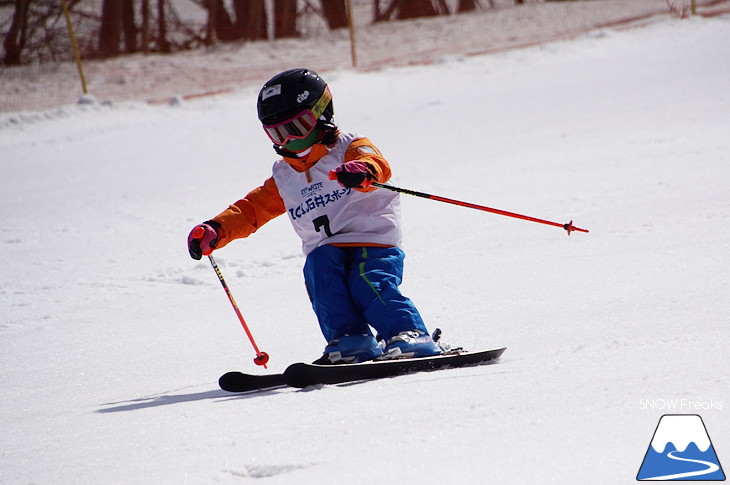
<point x="568" y="226"/>
<point x="261" y="357"/>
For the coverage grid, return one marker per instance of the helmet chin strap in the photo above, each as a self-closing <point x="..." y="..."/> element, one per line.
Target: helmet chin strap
<point x="284" y="152"/>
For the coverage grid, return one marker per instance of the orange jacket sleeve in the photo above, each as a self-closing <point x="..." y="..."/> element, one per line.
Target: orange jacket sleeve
<point x="244" y="217"/>
<point x="362" y="149"/>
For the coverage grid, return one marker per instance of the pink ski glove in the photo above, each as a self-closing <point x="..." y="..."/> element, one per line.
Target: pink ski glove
<point x="354" y="174"/>
<point x="202" y="240"/>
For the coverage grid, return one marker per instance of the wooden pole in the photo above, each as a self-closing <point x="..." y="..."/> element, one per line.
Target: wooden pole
<point x="351" y="27"/>
<point x="74" y="46"/>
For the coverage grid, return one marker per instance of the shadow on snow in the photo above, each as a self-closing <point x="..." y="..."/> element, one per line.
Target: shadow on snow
<point x="172" y="397"/>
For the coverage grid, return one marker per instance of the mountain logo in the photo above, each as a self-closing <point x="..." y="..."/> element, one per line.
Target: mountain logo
<point x="681" y="450"/>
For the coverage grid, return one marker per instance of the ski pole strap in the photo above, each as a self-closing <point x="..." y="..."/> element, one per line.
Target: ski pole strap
<point x="568" y="226"/>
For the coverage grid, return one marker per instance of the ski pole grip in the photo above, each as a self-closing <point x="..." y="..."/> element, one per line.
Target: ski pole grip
<point x="198" y="233"/>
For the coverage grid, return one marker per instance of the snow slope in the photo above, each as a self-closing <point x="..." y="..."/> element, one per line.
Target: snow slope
<point x="112" y="338"/>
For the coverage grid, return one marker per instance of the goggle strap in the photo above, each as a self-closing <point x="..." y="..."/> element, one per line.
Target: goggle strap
<point x="322" y="103"/>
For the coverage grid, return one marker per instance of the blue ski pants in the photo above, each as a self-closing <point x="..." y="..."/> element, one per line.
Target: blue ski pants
<point x="352" y="288"/>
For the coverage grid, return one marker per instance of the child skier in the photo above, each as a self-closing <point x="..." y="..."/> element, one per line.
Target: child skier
<point x="350" y="231"/>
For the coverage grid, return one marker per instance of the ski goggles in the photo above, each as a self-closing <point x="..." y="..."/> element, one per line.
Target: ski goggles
<point x="300" y="125"/>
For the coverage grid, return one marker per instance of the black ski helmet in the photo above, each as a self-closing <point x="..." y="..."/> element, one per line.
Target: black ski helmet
<point x="289" y="93"/>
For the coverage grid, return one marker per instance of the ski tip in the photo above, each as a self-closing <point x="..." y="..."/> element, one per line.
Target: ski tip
<point x="229" y="381"/>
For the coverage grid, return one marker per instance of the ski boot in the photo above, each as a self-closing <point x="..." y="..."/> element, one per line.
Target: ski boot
<point x="350" y="349"/>
<point x="410" y="344"/>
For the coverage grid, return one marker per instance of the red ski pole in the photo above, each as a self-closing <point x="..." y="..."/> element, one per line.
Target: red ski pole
<point x="261" y="357"/>
<point x="568" y="226"/>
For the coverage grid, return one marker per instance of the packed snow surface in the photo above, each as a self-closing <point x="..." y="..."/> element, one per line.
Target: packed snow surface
<point x="112" y="338"/>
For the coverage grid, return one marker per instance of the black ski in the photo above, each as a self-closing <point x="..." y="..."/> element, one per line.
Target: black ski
<point x="240" y="382"/>
<point x="302" y="375"/>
